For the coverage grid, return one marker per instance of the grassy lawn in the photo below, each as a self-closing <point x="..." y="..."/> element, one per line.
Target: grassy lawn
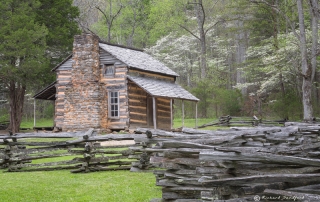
<point x="108" y="186"/>
<point x="177" y="123"/>
<point x="39" y="123"/>
<point x="190" y="123"/>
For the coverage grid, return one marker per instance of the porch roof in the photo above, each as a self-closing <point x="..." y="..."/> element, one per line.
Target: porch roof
<point x="47" y="93"/>
<point x="161" y="88"/>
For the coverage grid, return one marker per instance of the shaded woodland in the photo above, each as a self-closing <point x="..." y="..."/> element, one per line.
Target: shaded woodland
<point x="240" y="58"/>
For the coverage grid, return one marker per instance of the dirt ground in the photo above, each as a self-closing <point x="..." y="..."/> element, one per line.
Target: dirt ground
<point x="4" y="132"/>
<point x="116" y="143"/>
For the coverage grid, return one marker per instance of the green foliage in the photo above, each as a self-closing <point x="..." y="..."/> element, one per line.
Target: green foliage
<point x="22" y="42"/>
<point x="229" y="101"/>
<point x="141" y="22"/>
<point x="60" y="18"/>
<point x="288" y="106"/>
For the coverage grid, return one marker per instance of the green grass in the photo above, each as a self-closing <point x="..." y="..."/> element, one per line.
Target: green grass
<point x="190" y="123"/>
<point x="63" y="186"/>
<point x="111" y="186"/>
<point x="177" y="123"/>
<point x="39" y="123"/>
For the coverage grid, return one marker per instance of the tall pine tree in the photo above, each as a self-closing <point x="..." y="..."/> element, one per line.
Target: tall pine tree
<point x="22" y="51"/>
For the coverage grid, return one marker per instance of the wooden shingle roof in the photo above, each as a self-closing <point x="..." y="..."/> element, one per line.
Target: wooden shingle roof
<point x="137" y="59"/>
<point x="161" y="88"/>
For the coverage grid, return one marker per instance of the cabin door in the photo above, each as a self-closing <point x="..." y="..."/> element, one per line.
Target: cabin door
<point x="149" y="112"/>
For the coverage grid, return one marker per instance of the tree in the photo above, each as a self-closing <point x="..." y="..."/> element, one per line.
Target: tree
<point x="22" y="52"/>
<point x="109" y="15"/>
<point x="60" y="18"/>
<point x="306" y="69"/>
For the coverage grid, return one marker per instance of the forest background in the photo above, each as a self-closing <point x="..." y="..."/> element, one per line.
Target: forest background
<point x="239" y="57"/>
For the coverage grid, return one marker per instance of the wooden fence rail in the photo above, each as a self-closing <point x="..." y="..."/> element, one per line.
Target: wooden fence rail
<point x="242" y="121"/>
<point x="20" y="151"/>
<point x="238" y="164"/>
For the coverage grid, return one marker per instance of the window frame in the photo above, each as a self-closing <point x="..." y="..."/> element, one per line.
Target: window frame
<point x="110" y="104"/>
<point x="106" y="67"/>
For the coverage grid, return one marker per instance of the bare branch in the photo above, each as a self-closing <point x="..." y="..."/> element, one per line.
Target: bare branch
<point x="114" y="17"/>
<point x="183" y="27"/>
<point x="209" y="28"/>
<point x="104" y="14"/>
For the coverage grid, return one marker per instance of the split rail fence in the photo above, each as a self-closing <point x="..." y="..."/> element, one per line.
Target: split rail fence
<point x="78" y="151"/>
<point x="240" y="164"/>
<point x="231" y="121"/>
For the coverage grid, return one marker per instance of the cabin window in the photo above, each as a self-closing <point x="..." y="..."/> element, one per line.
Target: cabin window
<point x="109" y="70"/>
<point x="113" y="98"/>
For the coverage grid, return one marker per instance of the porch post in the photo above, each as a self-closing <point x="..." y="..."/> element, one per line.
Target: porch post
<point x="34" y="112"/>
<point x="171" y="111"/>
<point x="182" y="114"/>
<point x="196" y="115"/>
<point x="154" y="113"/>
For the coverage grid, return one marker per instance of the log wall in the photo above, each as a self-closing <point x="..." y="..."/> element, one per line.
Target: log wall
<point x="63" y="79"/>
<point x="141" y="108"/>
<point x="163" y="114"/>
<point x="137" y="106"/>
<point x="135" y="72"/>
<point x="118" y="82"/>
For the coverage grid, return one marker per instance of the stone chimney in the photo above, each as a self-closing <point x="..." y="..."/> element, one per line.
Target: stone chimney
<point x="83" y="95"/>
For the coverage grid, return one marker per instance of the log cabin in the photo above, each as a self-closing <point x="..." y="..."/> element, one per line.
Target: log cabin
<point x="106" y="86"/>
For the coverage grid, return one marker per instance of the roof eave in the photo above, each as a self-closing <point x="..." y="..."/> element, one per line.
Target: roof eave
<point x="56" y="67"/>
<point x="135" y="68"/>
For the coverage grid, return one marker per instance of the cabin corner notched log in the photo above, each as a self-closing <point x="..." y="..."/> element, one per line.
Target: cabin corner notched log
<point x="107" y="86"/>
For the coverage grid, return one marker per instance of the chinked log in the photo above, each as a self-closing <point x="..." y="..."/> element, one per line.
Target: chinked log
<point x="239" y="181"/>
<point x="258" y="157"/>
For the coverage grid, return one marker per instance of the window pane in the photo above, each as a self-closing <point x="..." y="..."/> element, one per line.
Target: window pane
<point x="109" y="70"/>
<point x="114" y="104"/>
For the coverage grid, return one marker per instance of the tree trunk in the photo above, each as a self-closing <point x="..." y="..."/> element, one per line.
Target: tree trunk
<point x="314" y="8"/>
<point x="314" y="23"/>
<point x="16" y="99"/>
<point x="203" y="48"/>
<point x="305" y="68"/>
